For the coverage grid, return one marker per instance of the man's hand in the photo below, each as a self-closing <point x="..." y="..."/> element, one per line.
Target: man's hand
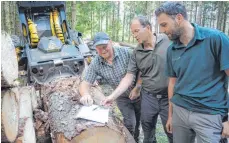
<point x="169" y="126"/>
<point x="135" y="93"/>
<point x="225" y="132"/>
<point x="107" y="101"/>
<point x="86" y="100"/>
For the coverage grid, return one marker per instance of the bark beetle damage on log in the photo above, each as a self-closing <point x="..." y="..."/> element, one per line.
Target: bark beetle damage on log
<point x="9" y="64"/>
<point x="62" y="102"/>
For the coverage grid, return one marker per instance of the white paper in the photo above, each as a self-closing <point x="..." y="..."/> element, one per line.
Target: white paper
<point x="93" y="113"/>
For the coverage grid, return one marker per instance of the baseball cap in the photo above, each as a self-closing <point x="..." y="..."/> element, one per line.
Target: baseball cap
<point x="100" y="38"/>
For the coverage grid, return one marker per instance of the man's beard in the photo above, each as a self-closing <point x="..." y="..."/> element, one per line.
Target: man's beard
<point x="175" y="34"/>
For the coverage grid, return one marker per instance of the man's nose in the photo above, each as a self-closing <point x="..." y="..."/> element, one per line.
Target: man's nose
<point x="135" y="35"/>
<point x="162" y="30"/>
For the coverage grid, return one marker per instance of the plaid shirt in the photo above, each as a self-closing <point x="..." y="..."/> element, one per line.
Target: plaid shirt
<point x="112" y="74"/>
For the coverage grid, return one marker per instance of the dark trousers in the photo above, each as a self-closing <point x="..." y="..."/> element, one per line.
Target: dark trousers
<point x="130" y="110"/>
<point x="153" y="105"/>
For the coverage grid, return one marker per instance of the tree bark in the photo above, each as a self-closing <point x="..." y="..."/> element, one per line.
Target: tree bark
<point x="63" y="105"/>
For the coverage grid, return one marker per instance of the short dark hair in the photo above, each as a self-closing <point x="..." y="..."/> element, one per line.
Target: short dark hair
<point x="172" y="9"/>
<point x="143" y="21"/>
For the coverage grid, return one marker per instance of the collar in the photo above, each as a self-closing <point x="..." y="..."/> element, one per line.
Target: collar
<point x="198" y="35"/>
<point x="159" y="38"/>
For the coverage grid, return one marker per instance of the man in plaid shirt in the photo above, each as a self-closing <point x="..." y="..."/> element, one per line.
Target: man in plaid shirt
<point x="111" y="64"/>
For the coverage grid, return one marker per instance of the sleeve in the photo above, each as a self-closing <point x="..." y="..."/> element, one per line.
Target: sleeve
<point x="90" y="73"/>
<point x="168" y="65"/>
<point x="132" y="66"/>
<point x="222" y="48"/>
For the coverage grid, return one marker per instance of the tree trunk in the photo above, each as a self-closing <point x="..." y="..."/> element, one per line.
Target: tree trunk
<point x="9" y="64"/>
<point x="196" y="4"/>
<point x="220" y="15"/>
<point x="225" y="20"/>
<point x="123" y="26"/>
<point x="7" y="16"/>
<point x="73" y="23"/>
<point x="63" y="105"/>
<point x="11" y="18"/>
<point x="191" y="11"/>
<point x="91" y="22"/>
<point x="17" y="22"/>
<point x="117" y="21"/>
<point x="113" y="22"/>
<point x="199" y="12"/>
<point x="99" y="20"/>
<point x="204" y="17"/>
<point x="146" y="8"/>
<point x="3" y="20"/>
<point x="107" y="20"/>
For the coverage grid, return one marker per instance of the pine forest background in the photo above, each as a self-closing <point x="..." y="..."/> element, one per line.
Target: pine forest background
<point x="114" y="17"/>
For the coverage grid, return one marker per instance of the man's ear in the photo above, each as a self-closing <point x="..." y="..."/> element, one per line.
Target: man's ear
<point x="148" y="27"/>
<point x="179" y="18"/>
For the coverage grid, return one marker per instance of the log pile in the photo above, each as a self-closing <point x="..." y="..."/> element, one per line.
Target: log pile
<point x="17" y="115"/>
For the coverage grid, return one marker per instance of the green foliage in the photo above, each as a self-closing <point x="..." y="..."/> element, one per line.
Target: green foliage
<point x="107" y="16"/>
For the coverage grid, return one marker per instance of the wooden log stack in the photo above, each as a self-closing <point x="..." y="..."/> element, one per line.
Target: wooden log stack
<point x="17" y="115"/>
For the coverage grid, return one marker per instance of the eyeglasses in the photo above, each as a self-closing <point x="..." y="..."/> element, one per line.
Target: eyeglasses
<point x="101" y="47"/>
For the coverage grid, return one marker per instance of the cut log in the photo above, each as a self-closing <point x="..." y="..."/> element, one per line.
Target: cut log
<point x="9" y="64"/>
<point x="10" y="114"/>
<point x="26" y="102"/>
<point x="26" y="133"/>
<point x="63" y="105"/>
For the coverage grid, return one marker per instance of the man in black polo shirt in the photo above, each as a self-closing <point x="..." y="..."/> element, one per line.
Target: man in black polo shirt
<point x="197" y="66"/>
<point x="149" y="59"/>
